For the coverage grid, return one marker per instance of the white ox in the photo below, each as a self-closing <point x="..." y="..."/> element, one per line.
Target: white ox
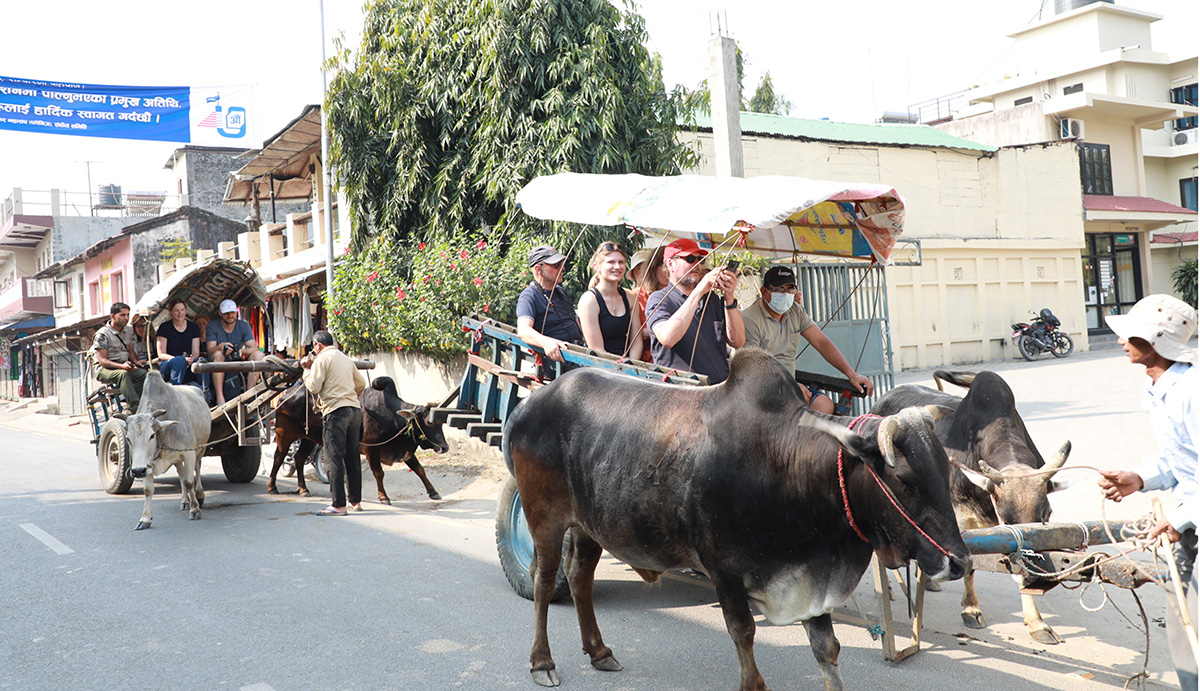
<point x="173" y="433"/>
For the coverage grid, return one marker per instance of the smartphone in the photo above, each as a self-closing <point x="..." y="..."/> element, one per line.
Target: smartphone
<point x="732" y="265"/>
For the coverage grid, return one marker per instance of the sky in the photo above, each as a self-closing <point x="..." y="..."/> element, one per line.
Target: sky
<point x="847" y="61"/>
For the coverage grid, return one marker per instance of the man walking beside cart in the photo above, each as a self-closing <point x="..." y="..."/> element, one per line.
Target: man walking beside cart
<point x="332" y="376"/>
<point x="118" y="364"/>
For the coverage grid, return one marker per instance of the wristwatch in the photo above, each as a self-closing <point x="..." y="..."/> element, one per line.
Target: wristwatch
<point x="733" y="305"/>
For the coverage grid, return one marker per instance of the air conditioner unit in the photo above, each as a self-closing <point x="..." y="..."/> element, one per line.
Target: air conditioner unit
<point x="1070" y="128"/>
<point x="1185" y="137"/>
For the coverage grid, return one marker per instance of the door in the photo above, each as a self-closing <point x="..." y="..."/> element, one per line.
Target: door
<point x="1112" y="276"/>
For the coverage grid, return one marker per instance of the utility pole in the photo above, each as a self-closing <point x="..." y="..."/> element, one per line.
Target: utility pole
<point x="91" y="206"/>
<point x="325" y="166"/>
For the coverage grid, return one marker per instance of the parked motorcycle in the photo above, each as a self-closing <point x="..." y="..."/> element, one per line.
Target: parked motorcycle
<point x="1041" y="335"/>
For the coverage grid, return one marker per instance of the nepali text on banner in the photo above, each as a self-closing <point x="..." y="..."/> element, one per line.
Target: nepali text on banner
<point x="187" y="115"/>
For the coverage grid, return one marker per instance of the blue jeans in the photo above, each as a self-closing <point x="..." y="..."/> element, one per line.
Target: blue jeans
<point x="175" y="371"/>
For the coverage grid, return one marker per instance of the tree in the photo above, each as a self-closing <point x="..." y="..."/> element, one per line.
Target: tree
<point x="1184" y="278"/>
<point x="449" y="108"/>
<point x="765" y="100"/>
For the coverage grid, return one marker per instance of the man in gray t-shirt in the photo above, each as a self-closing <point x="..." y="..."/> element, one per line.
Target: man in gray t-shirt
<point x="118" y="364"/>
<point x="227" y="337"/>
<point x="775" y="323"/>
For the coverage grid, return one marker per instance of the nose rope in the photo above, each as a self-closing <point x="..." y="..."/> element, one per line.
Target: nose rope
<point x="886" y="492"/>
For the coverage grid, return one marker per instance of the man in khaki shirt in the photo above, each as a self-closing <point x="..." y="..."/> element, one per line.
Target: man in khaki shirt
<point x="331" y="375"/>
<point x="118" y="364"/>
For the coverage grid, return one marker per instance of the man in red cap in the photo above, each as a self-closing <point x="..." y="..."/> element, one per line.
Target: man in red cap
<point x="690" y="325"/>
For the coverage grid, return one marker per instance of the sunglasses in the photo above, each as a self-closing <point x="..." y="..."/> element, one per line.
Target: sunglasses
<point x="612" y="247"/>
<point x="689" y="258"/>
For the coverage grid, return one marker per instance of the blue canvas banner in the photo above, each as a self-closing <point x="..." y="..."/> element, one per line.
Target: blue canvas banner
<point x="186" y="115"/>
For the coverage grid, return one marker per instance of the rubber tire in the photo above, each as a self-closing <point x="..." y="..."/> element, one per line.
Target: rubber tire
<point x="1028" y="349"/>
<point x="317" y="459"/>
<point x="515" y="545"/>
<point x="1059" y="350"/>
<point x="112" y="454"/>
<point x="243" y="464"/>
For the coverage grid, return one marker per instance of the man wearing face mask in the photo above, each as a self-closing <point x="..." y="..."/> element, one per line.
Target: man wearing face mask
<point x="776" y="321"/>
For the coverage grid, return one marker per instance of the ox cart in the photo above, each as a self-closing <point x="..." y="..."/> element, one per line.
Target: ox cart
<point x="238" y="425"/>
<point x="850" y="222"/>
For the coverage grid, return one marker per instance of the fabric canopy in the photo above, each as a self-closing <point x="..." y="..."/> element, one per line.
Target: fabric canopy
<point x="774" y="216"/>
<point x="203" y="287"/>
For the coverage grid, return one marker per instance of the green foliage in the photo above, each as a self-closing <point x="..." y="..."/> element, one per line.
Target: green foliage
<point x="176" y="249"/>
<point x="1184" y="278"/>
<point x="390" y="297"/>
<point x="449" y="108"/>
<point x="765" y="100"/>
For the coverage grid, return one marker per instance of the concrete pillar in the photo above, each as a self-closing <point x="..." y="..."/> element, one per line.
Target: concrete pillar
<point x="248" y="249"/>
<point x="725" y="102"/>
<point x="227" y="250"/>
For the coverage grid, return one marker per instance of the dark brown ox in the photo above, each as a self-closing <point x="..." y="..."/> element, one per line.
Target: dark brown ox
<point x="738" y="481"/>
<point x="393" y="430"/>
<point x="994" y="458"/>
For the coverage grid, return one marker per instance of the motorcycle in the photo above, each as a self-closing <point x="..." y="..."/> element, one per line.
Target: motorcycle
<point x="1041" y="335"/>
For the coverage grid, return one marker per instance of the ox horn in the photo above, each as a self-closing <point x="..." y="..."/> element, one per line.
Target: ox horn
<point x="990" y="473"/>
<point x="158" y="413"/>
<point x="887" y="432"/>
<point x="121" y="416"/>
<point x="1060" y="458"/>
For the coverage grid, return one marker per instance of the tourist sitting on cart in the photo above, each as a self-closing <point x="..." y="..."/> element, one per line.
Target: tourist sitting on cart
<point x="690" y="325"/>
<point x="118" y="364"/>
<point x="178" y="345"/>
<point x="141" y="344"/>
<point x="776" y="321"/>
<point x="545" y="317"/>
<point x="608" y="313"/>
<point x="230" y="339"/>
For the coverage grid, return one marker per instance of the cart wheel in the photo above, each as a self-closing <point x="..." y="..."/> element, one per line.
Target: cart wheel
<point x="242" y="464"/>
<point x="317" y="460"/>
<point x="1029" y="349"/>
<point x="1063" y="345"/>
<point x="112" y="452"/>
<point x="515" y="545"/>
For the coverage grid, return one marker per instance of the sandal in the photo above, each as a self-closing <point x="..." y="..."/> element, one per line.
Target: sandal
<point x="357" y="508"/>
<point x="330" y="511"/>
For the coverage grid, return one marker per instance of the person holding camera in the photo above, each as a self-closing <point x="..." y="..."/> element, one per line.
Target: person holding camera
<point x="690" y="325"/>
<point x="230" y="339"/>
<point x="118" y="363"/>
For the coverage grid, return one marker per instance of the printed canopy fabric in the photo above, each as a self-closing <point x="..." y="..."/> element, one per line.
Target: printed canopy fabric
<point x="774" y="215"/>
<point x="202" y="287"/>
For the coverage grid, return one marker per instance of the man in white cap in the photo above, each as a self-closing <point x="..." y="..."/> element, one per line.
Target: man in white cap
<point x="1155" y="335"/>
<point x="230" y="338"/>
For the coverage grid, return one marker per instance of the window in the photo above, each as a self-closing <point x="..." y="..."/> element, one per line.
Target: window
<point x="1187" y="193"/>
<point x="62" y="293"/>
<point x="1023" y="101"/>
<point x="1187" y="96"/>
<point x="1095" y="169"/>
<point x="1073" y="89"/>
<point x="118" y="285"/>
<point x="94" y="297"/>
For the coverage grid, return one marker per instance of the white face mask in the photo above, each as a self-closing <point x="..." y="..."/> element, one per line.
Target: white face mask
<point x="781" y="302"/>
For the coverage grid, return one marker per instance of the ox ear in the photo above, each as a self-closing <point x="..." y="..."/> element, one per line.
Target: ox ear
<point x="407" y="414"/>
<point x="1057" y="485"/>
<point x="854" y="444"/>
<point x="978" y="479"/>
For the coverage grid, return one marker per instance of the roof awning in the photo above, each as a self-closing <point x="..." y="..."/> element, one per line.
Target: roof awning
<point x="35" y="323"/>
<point x="285" y="158"/>
<point x="1145" y="211"/>
<point x="69" y="329"/>
<point x="292" y="280"/>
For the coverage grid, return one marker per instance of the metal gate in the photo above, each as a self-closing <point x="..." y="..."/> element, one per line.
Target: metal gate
<point x="849" y="303"/>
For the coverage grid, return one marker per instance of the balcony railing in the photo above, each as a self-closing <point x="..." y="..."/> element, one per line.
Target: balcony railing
<point x="131" y="204"/>
<point x="26" y="298"/>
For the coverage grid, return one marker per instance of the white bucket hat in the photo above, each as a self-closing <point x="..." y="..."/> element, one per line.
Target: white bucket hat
<point x="1166" y="323"/>
<point x="227" y="306"/>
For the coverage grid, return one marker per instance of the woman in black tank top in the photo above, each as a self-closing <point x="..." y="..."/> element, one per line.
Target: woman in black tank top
<point x="604" y="311"/>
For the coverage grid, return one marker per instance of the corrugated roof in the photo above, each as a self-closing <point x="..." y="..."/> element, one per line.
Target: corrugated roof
<point x="1104" y="202"/>
<point x="847" y="132"/>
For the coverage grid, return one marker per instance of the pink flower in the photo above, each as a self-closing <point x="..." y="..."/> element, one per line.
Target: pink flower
<point x="337" y="311"/>
<point x="464" y="254"/>
<point x="400" y="293"/>
<point x="372" y="276"/>
<point x="481" y="244"/>
<point x="427" y="277"/>
<point x="487" y="307"/>
<point x="421" y="246"/>
<point x="443" y="255"/>
<point x="346" y="251"/>
<point x="453" y="266"/>
<point x="478" y="282"/>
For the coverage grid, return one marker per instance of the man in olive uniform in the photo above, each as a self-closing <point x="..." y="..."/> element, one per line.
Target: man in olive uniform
<point x="119" y="365"/>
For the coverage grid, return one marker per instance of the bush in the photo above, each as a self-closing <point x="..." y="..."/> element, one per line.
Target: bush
<point x="1184" y="278"/>
<point x="389" y="297"/>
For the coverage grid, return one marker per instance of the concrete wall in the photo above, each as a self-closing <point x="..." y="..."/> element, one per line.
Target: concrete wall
<point x="74" y="234"/>
<point x="419" y="379"/>
<point x="101" y="270"/>
<point x="1163" y="260"/>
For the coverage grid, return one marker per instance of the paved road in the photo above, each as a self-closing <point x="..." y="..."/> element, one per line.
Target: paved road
<point x="262" y="595"/>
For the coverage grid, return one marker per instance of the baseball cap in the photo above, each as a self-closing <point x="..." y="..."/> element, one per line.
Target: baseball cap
<point x="779" y="276"/>
<point x="227" y="306"/>
<point x="640" y="257"/>
<point x="544" y="254"/>
<point x="683" y="248"/>
<point x="1165" y="322"/>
